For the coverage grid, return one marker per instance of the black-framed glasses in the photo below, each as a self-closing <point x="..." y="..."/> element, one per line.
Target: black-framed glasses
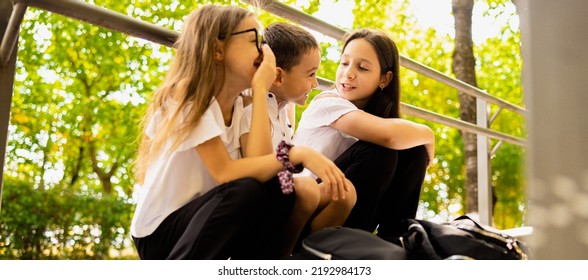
<point x="258" y="37"/>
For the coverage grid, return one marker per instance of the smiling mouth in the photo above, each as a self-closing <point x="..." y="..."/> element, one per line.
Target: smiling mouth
<point x="347" y="86"/>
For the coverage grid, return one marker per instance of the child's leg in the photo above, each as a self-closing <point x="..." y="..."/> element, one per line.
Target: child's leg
<point x="218" y="225"/>
<point x="272" y="224"/>
<point x="307" y="198"/>
<point x="371" y="168"/>
<point x="401" y="199"/>
<point x="333" y="212"/>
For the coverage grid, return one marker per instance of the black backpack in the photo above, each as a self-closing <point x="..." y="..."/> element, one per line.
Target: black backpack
<point x="343" y="243"/>
<point x="462" y="238"/>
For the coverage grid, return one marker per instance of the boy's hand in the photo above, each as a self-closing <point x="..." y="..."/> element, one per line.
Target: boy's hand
<point x="336" y="192"/>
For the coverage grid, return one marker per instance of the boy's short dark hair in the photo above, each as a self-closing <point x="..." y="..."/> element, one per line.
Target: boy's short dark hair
<point x="289" y="43"/>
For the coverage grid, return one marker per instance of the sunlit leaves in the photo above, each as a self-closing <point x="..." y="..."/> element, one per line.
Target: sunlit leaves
<point x="57" y="225"/>
<point x="79" y="87"/>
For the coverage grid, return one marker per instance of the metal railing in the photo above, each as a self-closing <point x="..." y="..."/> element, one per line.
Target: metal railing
<point x="122" y="23"/>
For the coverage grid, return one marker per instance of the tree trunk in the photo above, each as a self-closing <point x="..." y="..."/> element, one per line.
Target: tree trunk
<point x="75" y="174"/>
<point x="464" y="69"/>
<point x="46" y="150"/>
<point x="103" y="175"/>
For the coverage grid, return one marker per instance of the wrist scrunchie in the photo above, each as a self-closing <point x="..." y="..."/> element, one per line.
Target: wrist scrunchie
<point x="285" y="176"/>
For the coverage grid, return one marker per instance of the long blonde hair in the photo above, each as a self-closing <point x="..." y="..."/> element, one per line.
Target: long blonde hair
<point x="193" y="80"/>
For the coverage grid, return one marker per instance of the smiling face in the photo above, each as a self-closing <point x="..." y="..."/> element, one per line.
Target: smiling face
<point x="358" y="74"/>
<point x="295" y="84"/>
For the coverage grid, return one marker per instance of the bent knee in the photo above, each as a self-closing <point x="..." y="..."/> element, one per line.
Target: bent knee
<point x="307" y="193"/>
<point x="350" y="196"/>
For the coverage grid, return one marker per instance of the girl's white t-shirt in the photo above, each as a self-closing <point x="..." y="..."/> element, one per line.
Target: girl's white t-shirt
<point x="177" y="177"/>
<point x="314" y="129"/>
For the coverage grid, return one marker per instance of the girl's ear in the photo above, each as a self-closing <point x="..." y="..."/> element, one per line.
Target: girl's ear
<point x="385" y="79"/>
<point x="218" y="49"/>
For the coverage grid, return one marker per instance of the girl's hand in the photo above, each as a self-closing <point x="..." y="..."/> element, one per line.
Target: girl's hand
<point x="266" y="72"/>
<point x="331" y="176"/>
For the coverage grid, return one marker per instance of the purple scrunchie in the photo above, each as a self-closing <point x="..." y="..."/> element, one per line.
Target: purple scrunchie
<point x="286" y="181"/>
<point x="285" y="176"/>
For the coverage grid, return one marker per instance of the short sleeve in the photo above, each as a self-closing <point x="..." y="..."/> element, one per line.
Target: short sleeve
<point x="324" y="111"/>
<point x="210" y="126"/>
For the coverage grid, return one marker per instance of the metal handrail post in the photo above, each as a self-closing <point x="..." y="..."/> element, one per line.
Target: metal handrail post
<point x="484" y="188"/>
<point x="7" y="71"/>
<point x="10" y="35"/>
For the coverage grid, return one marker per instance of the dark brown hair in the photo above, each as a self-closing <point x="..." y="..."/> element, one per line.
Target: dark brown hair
<point x="289" y="43"/>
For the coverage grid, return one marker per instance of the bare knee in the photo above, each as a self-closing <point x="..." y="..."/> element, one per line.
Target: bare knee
<point x="307" y="193"/>
<point x="350" y="198"/>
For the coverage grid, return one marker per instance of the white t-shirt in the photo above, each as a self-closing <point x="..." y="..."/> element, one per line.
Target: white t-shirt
<point x="315" y="130"/>
<point x="177" y="177"/>
<point x="280" y="129"/>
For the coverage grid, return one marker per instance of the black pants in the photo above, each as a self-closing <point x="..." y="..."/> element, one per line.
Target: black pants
<point x="237" y="220"/>
<point x="388" y="184"/>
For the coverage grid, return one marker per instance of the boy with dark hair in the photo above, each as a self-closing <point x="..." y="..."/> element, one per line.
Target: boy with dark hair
<point x="297" y="59"/>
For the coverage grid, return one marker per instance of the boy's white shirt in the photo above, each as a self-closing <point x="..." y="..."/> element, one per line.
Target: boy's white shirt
<point x="315" y="131"/>
<point x="280" y="126"/>
<point x="177" y="177"/>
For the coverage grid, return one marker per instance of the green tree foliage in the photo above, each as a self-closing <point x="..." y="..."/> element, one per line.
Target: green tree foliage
<point x="81" y="91"/>
<point x="59" y="224"/>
